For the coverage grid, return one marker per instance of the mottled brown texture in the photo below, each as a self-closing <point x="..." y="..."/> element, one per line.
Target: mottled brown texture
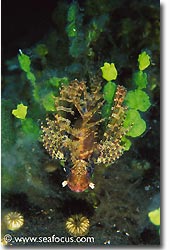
<point x="82" y="138"/>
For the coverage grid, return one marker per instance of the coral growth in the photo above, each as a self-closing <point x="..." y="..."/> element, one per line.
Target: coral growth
<point x="77" y="225"/>
<point x="14" y="220"/>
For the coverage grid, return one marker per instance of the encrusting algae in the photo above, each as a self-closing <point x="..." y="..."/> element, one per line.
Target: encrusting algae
<point x="77" y="225"/>
<point x="75" y="133"/>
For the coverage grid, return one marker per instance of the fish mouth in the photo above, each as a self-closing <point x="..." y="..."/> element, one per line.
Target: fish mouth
<point x="78" y="188"/>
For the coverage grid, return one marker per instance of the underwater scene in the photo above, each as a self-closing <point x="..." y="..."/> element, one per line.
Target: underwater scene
<point x="80" y="123"/>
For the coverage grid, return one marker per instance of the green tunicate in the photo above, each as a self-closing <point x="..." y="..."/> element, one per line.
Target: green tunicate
<point x="137" y="99"/>
<point x="126" y="143"/>
<point x="49" y="102"/>
<point x="30" y="128"/>
<point x="71" y="30"/>
<point x="109" y="91"/>
<point x="31" y="77"/>
<point x="108" y="95"/>
<point x="140" y="79"/>
<point x="24" y="62"/>
<point x="144" y="60"/>
<point x="134" y="120"/>
<point x="154" y="216"/>
<point x="77" y="47"/>
<point x="20" y="112"/>
<point x="96" y="27"/>
<point x="41" y="50"/>
<point x="56" y="81"/>
<point x="36" y="93"/>
<point x="72" y="12"/>
<point x="109" y="71"/>
<point x="106" y="109"/>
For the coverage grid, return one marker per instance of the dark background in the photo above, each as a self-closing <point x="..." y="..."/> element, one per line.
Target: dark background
<point x="24" y="23"/>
